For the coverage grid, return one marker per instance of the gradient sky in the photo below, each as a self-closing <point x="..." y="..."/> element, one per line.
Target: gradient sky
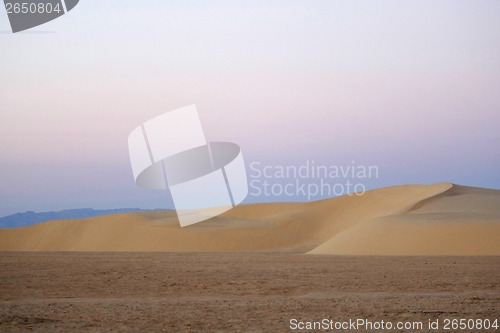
<point x="412" y="87"/>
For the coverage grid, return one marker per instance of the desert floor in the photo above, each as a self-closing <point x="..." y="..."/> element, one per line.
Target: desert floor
<point x="69" y="291"/>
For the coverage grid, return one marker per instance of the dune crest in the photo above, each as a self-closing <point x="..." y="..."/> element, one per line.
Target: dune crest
<point x="459" y="221"/>
<point x="438" y="219"/>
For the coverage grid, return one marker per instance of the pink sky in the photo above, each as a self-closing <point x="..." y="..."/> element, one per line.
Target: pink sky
<point x="411" y="87"/>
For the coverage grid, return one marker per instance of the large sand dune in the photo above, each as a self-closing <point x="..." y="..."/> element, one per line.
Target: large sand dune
<point x="439" y="219"/>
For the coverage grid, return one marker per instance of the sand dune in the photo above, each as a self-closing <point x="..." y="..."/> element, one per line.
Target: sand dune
<point x="459" y="221"/>
<point x="402" y="220"/>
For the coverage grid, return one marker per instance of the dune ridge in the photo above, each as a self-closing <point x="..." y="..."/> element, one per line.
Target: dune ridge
<point x="438" y="219"/>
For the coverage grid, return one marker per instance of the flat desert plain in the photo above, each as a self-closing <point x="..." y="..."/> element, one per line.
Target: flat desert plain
<point x="210" y="292"/>
<point x="409" y="254"/>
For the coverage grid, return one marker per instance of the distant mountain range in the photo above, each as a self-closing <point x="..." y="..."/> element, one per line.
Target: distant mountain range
<point x="29" y="217"/>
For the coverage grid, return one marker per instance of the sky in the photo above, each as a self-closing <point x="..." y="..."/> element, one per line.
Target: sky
<point x="409" y="87"/>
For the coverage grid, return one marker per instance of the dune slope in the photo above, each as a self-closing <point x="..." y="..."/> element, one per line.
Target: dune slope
<point x="400" y="220"/>
<point x="459" y="221"/>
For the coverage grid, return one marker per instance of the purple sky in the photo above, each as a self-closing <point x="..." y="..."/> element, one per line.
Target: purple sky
<point x="411" y="87"/>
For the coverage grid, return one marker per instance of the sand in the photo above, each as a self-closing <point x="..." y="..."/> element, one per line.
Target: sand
<point x="256" y="267"/>
<point x="238" y="292"/>
<point x="438" y="219"/>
